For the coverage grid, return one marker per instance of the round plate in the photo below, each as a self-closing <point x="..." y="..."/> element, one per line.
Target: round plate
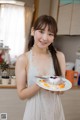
<point x="49" y="86"/>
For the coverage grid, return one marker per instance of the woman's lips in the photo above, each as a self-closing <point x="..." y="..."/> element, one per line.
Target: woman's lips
<point x="43" y="43"/>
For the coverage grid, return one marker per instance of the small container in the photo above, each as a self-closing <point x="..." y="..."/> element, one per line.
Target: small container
<point x="13" y="80"/>
<point x="1" y="43"/>
<point x="0" y="80"/>
<point x="5" y="78"/>
<point x="72" y="76"/>
<point x="5" y="81"/>
<point x="76" y="76"/>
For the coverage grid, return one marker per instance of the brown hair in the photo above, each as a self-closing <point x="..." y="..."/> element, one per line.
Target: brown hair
<point x="39" y="24"/>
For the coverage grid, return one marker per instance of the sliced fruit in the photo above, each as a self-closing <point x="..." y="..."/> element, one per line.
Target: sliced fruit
<point x="46" y="84"/>
<point x="61" y="85"/>
<point x="42" y="80"/>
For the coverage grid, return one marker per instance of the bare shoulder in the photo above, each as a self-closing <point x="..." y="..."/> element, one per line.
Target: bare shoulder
<point x="22" y="59"/>
<point x="60" y="55"/>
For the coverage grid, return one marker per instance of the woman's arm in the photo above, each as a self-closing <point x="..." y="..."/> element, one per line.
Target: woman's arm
<point x="21" y="79"/>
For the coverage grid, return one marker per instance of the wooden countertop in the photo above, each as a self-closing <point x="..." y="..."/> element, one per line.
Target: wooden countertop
<point x="76" y="87"/>
<point x="8" y="86"/>
<point x="14" y="87"/>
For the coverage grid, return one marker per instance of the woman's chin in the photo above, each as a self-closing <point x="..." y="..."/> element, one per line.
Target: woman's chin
<point x="42" y="46"/>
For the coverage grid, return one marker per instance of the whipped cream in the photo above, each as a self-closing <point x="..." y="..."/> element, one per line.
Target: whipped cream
<point x="55" y="80"/>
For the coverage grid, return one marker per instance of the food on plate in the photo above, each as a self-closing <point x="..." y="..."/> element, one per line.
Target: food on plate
<point x="42" y="80"/>
<point x="54" y="81"/>
<point x="46" y="84"/>
<point x="61" y="85"/>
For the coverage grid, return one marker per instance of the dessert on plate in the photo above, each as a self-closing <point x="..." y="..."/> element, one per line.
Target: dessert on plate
<point x="53" y="81"/>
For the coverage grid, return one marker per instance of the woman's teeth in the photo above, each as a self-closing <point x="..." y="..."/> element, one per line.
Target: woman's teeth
<point x="43" y="43"/>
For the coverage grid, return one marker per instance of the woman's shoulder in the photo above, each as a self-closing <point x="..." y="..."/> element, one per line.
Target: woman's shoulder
<point x="60" y="55"/>
<point x="23" y="58"/>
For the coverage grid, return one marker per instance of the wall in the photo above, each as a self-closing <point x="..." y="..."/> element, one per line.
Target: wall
<point x="44" y="7"/>
<point x="69" y="46"/>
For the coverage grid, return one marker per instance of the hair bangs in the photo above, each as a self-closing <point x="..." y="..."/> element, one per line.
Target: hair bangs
<point x="42" y="22"/>
<point x="41" y="26"/>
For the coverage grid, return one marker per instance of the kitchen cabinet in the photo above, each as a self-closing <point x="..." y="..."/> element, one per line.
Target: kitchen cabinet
<point x="64" y="19"/>
<point x="66" y="13"/>
<point x="71" y="104"/>
<point x="75" y="23"/>
<point x="69" y="18"/>
<point x="54" y="9"/>
<point x="11" y="104"/>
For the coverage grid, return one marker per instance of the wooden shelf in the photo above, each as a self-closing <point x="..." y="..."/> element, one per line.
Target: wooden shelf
<point x="8" y="86"/>
<point x="14" y="87"/>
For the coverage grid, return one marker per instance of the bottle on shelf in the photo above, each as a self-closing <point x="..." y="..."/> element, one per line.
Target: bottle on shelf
<point x="75" y="78"/>
<point x="1" y="43"/>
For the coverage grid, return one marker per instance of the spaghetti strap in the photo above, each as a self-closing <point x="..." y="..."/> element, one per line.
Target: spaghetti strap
<point x="30" y="57"/>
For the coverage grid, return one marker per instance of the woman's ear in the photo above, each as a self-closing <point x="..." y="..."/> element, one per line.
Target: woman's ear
<point x="32" y="31"/>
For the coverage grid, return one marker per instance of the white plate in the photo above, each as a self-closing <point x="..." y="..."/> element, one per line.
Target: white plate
<point x="52" y="87"/>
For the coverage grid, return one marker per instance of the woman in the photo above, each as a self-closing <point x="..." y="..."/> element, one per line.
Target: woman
<point x="40" y="60"/>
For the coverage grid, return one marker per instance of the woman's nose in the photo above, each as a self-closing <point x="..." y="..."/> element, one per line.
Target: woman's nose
<point x="45" y="36"/>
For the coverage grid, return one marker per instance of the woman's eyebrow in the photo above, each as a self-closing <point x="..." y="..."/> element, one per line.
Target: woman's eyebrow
<point x="42" y="29"/>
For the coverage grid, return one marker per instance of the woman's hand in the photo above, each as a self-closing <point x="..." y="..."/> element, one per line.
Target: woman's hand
<point x="59" y="92"/>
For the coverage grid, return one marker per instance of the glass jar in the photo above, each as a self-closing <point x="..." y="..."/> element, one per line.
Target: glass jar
<point x="1" y="43"/>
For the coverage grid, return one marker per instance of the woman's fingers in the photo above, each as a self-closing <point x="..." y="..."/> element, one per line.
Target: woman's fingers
<point x="59" y="92"/>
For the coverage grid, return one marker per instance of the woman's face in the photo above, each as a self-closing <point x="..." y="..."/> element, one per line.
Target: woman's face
<point x="43" y="38"/>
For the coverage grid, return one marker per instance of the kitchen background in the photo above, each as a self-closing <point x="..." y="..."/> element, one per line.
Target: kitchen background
<point x="67" y="16"/>
<point x="69" y="44"/>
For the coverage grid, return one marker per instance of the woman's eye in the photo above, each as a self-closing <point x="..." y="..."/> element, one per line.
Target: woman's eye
<point x="51" y="34"/>
<point x="41" y="31"/>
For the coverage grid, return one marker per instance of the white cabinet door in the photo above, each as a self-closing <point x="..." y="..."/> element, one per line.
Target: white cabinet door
<point x="54" y="9"/>
<point x="64" y="19"/>
<point x="75" y="23"/>
<point x="71" y="104"/>
<point x="69" y="18"/>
